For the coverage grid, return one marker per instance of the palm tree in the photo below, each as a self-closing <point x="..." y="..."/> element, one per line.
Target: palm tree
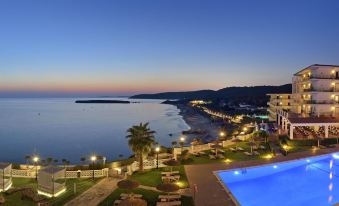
<point x="174" y="143"/>
<point x="261" y="134"/>
<point x="140" y="140"/>
<point x="27" y="157"/>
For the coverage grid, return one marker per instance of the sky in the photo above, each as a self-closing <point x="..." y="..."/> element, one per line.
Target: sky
<point x="125" y="47"/>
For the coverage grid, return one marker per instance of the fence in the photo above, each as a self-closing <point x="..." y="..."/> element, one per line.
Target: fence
<point x="31" y="173"/>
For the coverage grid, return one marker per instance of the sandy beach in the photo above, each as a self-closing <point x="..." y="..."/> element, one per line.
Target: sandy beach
<point x="201" y="125"/>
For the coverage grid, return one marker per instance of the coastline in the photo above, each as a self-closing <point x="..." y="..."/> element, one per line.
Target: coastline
<point x="201" y="126"/>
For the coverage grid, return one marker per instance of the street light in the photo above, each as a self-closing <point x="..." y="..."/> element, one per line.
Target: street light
<point x="36" y="160"/>
<point x="93" y="159"/>
<point x="157" y="150"/>
<point x="182" y="140"/>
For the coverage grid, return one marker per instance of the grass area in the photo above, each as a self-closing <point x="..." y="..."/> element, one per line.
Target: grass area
<point x="81" y="185"/>
<point x="233" y="156"/>
<point x="153" y="177"/>
<point x="150" y="196"/>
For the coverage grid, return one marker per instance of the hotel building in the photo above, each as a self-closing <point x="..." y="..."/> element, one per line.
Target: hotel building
<point x="313" y="106"/>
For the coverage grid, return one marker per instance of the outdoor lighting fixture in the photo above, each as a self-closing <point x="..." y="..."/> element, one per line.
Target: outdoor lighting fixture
<point x="333" y="71"/>
<point x="268" y="156"/>
<point x="93" y="159"/>
<point x="332" y="96"/>
<point x="333" y="83"/>
<point x="35" y="159"/>
<point x="236" y="172"/>
<point x="275" y="166"/>
<point x="182" y="139"/>
<point x="222" y="134"/>
<point x="245" y="129"/>
<point x="335" y="156"/>
<point x="332" y="108"/>
<point x="228" y="161"/>
<point x="157" y="150"/>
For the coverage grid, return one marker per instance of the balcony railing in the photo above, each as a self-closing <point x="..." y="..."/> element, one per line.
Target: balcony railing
<point x="319" y="102"/>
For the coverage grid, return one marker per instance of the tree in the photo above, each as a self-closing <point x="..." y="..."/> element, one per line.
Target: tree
<point x="140" y="140"/>
<point x="261" y="134"/>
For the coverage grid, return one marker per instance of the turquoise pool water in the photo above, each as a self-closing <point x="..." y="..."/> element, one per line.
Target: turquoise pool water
<point x="311" y="181"/>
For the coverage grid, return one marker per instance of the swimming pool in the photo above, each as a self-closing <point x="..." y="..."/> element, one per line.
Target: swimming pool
<point x="311" y="181"/>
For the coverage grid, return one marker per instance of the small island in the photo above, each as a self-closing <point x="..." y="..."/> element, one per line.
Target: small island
<point x="96" y="101"/>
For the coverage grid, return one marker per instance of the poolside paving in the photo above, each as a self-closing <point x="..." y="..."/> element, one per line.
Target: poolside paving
<point x="210" y="190"/>
<point x="95" y="194"/>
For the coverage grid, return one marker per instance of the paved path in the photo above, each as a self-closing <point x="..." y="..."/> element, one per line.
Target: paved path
<point x="210" y="190"/>
<point x="95" y="194"/>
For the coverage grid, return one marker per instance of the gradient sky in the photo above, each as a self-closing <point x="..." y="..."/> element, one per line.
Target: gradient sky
<point x="98" y="47"/>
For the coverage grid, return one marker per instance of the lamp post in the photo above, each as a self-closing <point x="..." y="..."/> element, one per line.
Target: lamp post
<point x="157" y="150"/>
<point x="93" y="159"/>
<point x="182" y="140"/>
<point x="36" y="160"/>
<point x="222" y="134"/>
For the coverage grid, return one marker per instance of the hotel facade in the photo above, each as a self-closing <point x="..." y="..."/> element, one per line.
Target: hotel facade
<point x="313" y="106"/>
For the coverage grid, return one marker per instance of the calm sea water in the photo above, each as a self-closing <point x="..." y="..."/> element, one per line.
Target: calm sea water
<point x="59" y="128"/>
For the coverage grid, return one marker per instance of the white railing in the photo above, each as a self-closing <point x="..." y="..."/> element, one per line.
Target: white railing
<point x="69" y="174"/>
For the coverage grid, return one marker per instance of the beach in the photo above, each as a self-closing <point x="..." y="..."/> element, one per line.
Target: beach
<point x="201" y="125"/>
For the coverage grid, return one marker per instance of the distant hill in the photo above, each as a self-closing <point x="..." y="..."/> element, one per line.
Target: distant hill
<point x="225" y="93"/>
<point x="234" y="95"/>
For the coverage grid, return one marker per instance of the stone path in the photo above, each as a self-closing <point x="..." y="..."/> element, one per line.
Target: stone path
<point x="210" y="190"/>
<point x="96" y="194"/>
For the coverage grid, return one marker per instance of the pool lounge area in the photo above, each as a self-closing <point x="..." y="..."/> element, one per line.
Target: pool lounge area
<point x="308" y="181"/>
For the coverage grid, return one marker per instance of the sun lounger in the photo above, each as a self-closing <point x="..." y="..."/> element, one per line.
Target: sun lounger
<point x="170" y="173"/>
<point x="212" y="157"/>
<point x="170" y="197"/>
<point x="233" y="150"/>
<point x="117" y="202"/>
<point x="220" y="156"/>
<point x="201" y="153"/>
<point x="256" y="153"/>
<point x="174" y="203"/>
<point x="171" y="178"/>
<point x="248" y="154"/>
<point x="240" y="149"/>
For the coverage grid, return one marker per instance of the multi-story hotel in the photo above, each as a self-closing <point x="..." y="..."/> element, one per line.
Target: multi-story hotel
<point x="312" y="109"/>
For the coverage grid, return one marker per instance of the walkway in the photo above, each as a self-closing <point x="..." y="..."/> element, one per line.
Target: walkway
<point x="211" y="192"/>
<point x="95" y="194"/>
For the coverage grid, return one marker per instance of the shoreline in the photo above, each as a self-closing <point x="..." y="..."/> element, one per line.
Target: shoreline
<point x="201" y="127"/>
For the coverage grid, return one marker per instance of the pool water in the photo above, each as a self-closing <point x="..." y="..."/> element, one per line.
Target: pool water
<point x="311" y="181"/>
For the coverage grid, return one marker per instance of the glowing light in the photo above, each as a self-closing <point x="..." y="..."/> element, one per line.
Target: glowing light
<point x="332" y="108"/>
<point x="182" y="139"/>
<point x="222" y="134"/>
<point x="335" y="156"/>
<point x="333" y="71"/>
<point x="331" y="164"/>
<point x="228" y="161"/>
<point x="93" y="158"/>
<point x="180" y="184"/>
<point x="35" y="159"/>
<point x="332" y="96"/>
<point x="51" y="195"/>
<point x="333" y="83"/>
<point x="308" y="160"/>
<point x="275" y="166"/>
<point x="330" y="198"/>
<point x="268" y="156"/>
<point x="331" y="175"/>
<point x="330" y="187"/>
<point x="157" y="149"/>
<point x="236" y="172"/>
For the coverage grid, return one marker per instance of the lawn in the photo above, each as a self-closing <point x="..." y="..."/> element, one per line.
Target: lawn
<point x="81" y="185"/>
<point x="153" y="177"/>
<point x="150" y="196"/>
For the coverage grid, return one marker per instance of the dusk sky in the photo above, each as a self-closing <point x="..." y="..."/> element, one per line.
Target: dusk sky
<point x="99" y="47"/>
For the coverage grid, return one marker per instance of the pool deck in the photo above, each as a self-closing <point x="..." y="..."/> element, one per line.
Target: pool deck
<point x="210" y="191"/>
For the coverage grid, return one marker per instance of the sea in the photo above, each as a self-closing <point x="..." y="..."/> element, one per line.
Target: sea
<point x="61" y="129"/>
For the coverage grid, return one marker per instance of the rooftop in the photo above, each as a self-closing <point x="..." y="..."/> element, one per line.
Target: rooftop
<point x="316" y="65"/>
<point x="4" y="165"/>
